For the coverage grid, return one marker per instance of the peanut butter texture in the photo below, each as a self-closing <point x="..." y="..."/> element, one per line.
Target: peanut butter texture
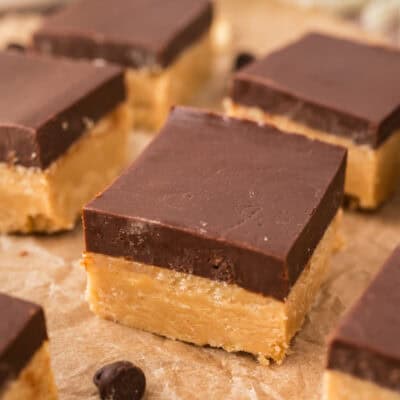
<point x="341" y="386"/>
<point x="35" y="381"/>
<point x="151" y="93"/>
<point x="204" y="312"/>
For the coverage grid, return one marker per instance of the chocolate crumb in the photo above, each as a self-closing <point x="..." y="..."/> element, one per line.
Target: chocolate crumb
<point x="242" y="59"/>
<point x="120" y="381"/>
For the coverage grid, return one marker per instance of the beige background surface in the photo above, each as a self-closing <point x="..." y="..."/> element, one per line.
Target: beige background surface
<point x="47" y="270"/>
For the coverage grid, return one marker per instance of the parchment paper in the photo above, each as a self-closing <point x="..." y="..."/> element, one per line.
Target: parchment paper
<point x="47" y="270"/>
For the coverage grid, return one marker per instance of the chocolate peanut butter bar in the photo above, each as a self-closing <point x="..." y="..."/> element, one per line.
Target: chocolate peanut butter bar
<point x="25" y="370"/>
<point x="219" y="234"/>
<point x="165" y="46"/>
<point x="64" y="127"/>
<point x="338" y="91"/>
<point x="364" y="350"/>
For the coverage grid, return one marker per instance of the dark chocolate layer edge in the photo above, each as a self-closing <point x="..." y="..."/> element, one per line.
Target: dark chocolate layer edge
<point x="364" y="364"/>
<point x="20" y="351"/>
<point x="124" y="54"/>
<point x="30" y="148"/>
<point x="200" y="26"/>
<point x="306" y="243"/>
<point x="150" y="243"/>
<point x="251" y="93"/>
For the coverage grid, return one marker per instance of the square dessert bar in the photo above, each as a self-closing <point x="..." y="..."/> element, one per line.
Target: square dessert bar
<point x="165" y="46"/>
<point x="64" y="128"/>
<point x="219" y="234"/>
<point x="25" y="370"/>
<point x="338" y="91"/>
<point x="364" y="350"/>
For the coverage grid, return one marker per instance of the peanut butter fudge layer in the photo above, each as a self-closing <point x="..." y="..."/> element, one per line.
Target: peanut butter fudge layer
<point x="25" y="370"/>
<point x="165" y="46"/>
<point x="364" y="351"/>
<point x="63" y="133"/>
<point x="338" y="91"/>
<point x="219" y="234"/>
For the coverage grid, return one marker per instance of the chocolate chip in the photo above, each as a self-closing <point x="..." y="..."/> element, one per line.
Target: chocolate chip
<point x="120" y="381"/>
<point x="16" y="47"/>
<point x="242" y="59"/>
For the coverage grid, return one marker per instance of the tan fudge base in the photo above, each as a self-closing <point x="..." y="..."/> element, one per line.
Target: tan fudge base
<point x="152" y="93"/>
<point x="341" y="386"/>
<point x="35" y="200"/>
<point x="201" y="311"/>
<point x="35" y="382"/>
<point x="372" y="174"/>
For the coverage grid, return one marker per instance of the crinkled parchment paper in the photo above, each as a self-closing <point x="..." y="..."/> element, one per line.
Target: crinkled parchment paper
<point x="47" y="270"/>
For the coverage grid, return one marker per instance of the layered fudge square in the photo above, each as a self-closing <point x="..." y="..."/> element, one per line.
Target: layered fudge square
<point x="364" y="350"/>
<point x="165" y="46"/>
<point x="25" y="370"/>
<point x="64" y="128"/>
<point x="219" y="234"/>
<point x="338" y="91"/>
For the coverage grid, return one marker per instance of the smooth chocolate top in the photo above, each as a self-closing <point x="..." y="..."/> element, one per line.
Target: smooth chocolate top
<point x="342" y="87"/>
<point x="133" y="33"/>
<point x="224" y="199"/>
<point x="22" y="332"/>
<point x="366" y="343"/>
<point x="46" y="105"/>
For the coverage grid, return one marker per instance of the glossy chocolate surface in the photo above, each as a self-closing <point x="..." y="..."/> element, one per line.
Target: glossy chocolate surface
<point x="224" y="199"/>
<point x="330" y="84"/>
<point x="46" y="105"/>
<point x="22" y="333"/>
<point x="366" y="342"/>
<point x="132" y="33"/>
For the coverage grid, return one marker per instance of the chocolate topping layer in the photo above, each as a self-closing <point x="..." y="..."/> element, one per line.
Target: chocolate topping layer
<point x="224" y="199"/>
<point x="22" y="332"/>
<point x="334" y="85"/>
<point x="47" y="104"/>
<point x="366" y="343"/>
<point x="133" y="33"/>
